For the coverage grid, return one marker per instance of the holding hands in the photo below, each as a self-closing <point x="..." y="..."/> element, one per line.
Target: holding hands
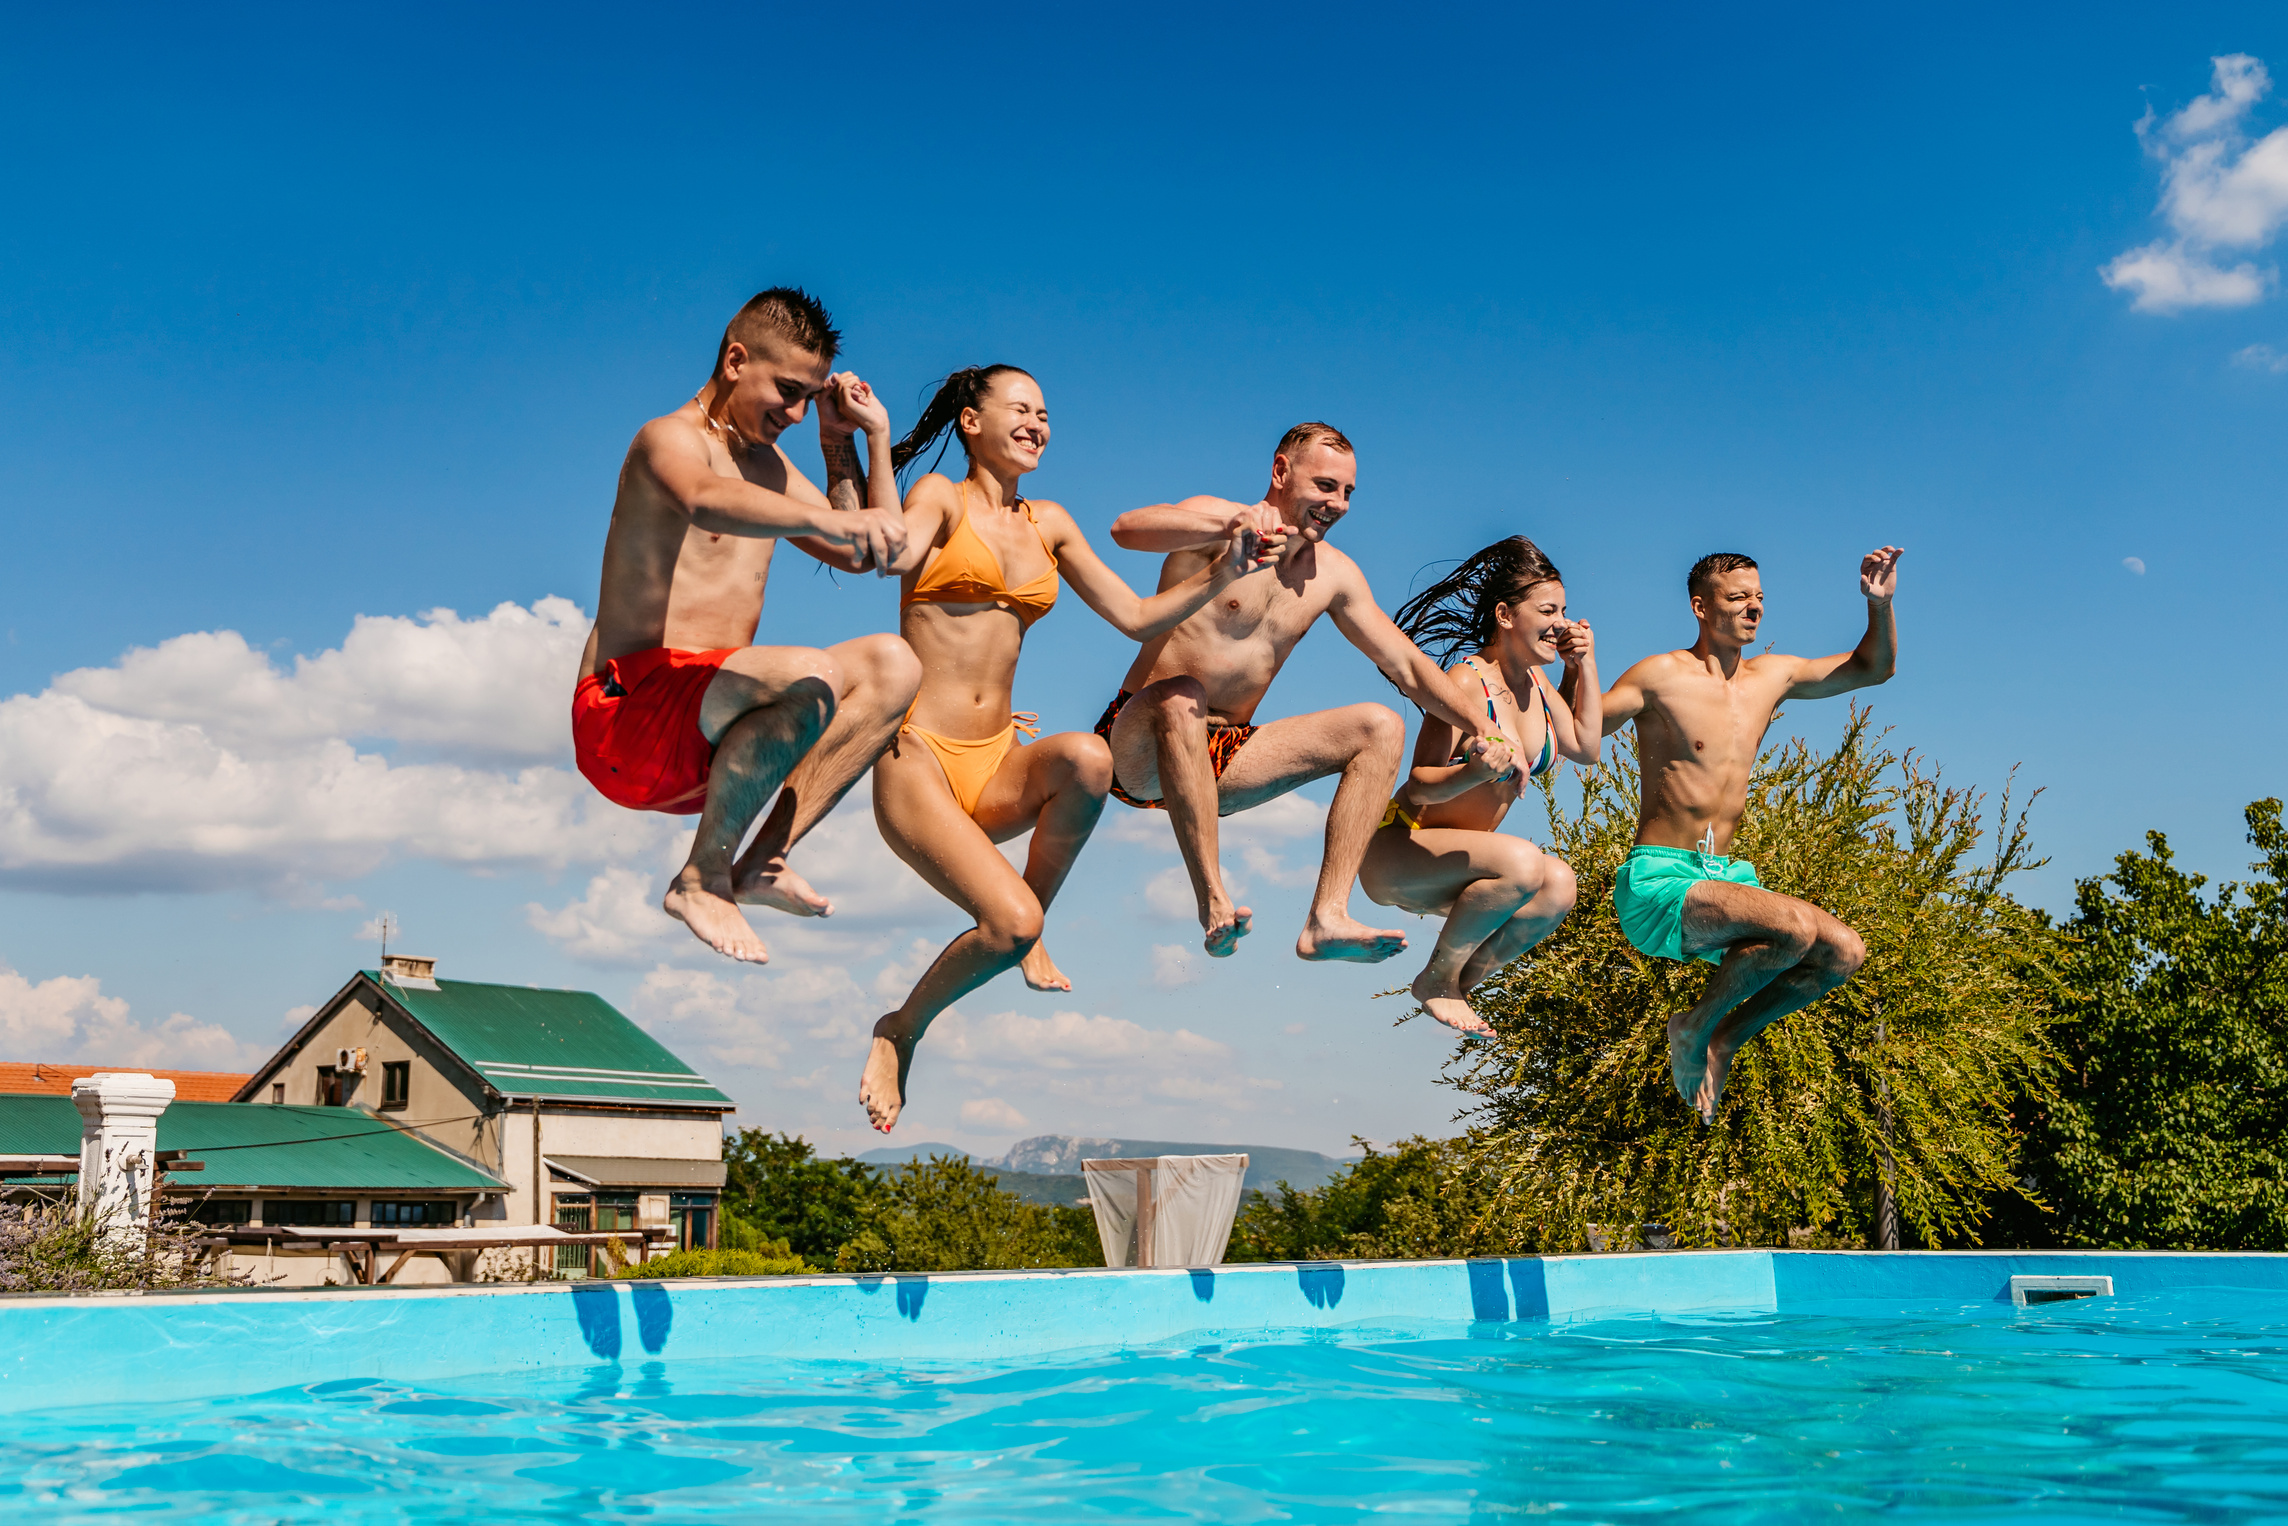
<point x="1253" y="539"/>
<point x="1576" y="644"/>
<point x="846" y="405"/>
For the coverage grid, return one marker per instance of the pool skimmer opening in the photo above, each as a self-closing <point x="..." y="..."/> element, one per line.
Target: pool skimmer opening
<point x="2026" y="1290"/>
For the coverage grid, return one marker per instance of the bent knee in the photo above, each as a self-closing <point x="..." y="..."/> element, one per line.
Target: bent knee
<point x="883" y="660"/>
<point x="1843" y="950"/>
<point x="1011" y="928"/>
<point x="1379" y="726"/>
<point x="1560" y="891"/>
<point x="1087" y="759"/>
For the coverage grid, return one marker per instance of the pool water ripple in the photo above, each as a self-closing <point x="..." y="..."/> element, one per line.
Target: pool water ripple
<point x="2163" y="1411"/>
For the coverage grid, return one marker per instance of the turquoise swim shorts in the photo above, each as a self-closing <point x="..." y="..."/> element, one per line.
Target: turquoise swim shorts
<point x="1649" y="894"/>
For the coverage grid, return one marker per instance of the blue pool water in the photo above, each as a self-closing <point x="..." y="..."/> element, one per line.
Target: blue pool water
<point x="2165" y="1408"/>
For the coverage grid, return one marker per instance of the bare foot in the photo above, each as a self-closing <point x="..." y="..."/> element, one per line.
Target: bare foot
<point x="1341" y="938"/>
<point x="1688" y="1066"/>
<point x="882" y="1084"/>
<point x="712" y="917"/>
<point x="781" y="889"/>
<point x="1041" y="972"/>
<point x="1225" y="927"/>
<point x="1445" y="1002"/>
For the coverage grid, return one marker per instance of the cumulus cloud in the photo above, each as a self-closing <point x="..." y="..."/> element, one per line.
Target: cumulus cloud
<point x="2223" y="196"/>
<point x="1174" y="965"/>
<point x="67" y="1018"/>
<point x="1093" y="1064"/>
<point x="991" y="1113"/>
<point x="753" y="1020"/>
<point x="2262" y="357"/>
<point x="200" y="764"/>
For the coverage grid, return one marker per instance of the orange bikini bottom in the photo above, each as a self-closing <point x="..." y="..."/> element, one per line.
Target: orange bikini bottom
<point x="970" y="766"/>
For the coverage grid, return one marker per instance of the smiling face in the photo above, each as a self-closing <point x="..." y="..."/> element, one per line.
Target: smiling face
<point x="771" y="384"/>
<point x="1009" y="428"/>
<point x="1527" y="628"/>
<point x="1313" y="490"/>
<point x="1730" y="607"/>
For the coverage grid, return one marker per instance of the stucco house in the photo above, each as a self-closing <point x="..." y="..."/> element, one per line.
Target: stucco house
<point x="588" y="1120"/>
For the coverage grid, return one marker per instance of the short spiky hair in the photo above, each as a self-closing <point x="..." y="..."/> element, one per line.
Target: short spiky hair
<point x="1714" y="565"/>
<point x="787" y="311"/>
<point x="1295" y="440"/>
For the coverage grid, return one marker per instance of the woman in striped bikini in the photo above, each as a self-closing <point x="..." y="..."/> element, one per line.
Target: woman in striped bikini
<point x="981" y="566"/>
<point x="1439" y="851"/>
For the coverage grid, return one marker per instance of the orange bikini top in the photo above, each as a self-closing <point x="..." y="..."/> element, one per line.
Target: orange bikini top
<point x="965" y="571"/>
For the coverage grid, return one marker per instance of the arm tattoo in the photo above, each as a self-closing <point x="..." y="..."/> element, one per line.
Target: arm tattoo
<point x="842" y="474"/>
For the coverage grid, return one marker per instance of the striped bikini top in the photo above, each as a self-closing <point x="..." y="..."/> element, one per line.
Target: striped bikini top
<point x="965" y="571"/>
<point x="1548" y="758"/>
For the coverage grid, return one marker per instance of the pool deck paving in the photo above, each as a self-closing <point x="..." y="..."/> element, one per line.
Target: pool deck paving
<point x="146" y="1347"/>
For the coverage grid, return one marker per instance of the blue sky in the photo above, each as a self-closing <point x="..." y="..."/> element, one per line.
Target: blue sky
<point x="309" y="317"/>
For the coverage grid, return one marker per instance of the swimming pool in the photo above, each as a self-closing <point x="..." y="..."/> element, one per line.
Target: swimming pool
<point x="1849" y="1388"/>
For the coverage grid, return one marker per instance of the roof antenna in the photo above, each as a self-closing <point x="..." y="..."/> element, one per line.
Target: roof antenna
<point x="388" y="920"/>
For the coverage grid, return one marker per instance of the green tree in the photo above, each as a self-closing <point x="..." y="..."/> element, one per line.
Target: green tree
<point x="2172" y="1130"/>
<point x="1422" y="1198"/>
<point x="946" y="1215"/>
<point x="776" y="1188"/>
<point x="1939" y="1031"/>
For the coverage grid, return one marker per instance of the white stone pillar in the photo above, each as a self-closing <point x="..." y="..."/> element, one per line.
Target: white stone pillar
<point x="118" y="1149"/>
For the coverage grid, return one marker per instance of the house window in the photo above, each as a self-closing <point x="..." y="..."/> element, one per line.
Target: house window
<point x="221" y="1212"/>
<point x="337" y="1213"/>
<point x="329" y="1087"/>
<point x="693" y="1216"/>
<point x="278" y="1092"/>
<point x="414" y="1215"/>
<point x="396" y="1082"/>
<point x="616" y="1211"/>
<point x="574" y="1212"/>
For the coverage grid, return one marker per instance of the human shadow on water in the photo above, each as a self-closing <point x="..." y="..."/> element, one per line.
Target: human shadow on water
<point x="1322" y="1285"/>
<point x="598" y="1310"/>
<point x="1203" y="1284"/>
<point x="655" y="1315"/>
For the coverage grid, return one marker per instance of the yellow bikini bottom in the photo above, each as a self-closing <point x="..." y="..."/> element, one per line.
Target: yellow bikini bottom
<point x="969" y="766"/>
<point x="1396" y="814"/>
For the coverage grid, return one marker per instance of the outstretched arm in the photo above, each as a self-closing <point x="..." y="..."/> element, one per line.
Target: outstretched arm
<point x="1186" y="526"/>
<point x="1619" y="705"/>
<point x="1141" y="619"/>
<point x="1358" y="617"/>
<point x="1578" y="724"/>
<point x="1876" y="657"/>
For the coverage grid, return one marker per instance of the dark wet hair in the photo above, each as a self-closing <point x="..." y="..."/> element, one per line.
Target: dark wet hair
<point x="941" y="415"/>
<point x="1455" y="615"/>
<point x="1714" y="565"/>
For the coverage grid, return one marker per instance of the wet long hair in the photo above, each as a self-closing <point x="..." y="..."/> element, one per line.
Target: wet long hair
<point x="941" y="415"/>
<point x="1454" y="616"/>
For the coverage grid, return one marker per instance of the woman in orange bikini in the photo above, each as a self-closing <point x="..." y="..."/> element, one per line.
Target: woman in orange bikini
<point x="1439" y="851"/>
<point x="981" y="566"/>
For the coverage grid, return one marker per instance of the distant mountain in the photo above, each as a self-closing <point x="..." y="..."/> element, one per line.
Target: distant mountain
<point x="1058" y="1156"/>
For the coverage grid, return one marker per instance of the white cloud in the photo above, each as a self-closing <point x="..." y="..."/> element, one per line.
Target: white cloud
<point x="1094" y="1066"/>
<point x="1168" y="895"/>
<point x="756" y="1020"/>
<point x="68" y="1018"/>
<point x="2219" y="192"/>
<point x="1174" y="965"/>
<point x="2134" y="564"/>
<point x="2261" y="357"/>
<point x="991" y="1113"/>
<point x="199" y="764"/>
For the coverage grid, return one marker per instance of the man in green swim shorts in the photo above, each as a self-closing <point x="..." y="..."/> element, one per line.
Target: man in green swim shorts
<point x="1700" y="716"/>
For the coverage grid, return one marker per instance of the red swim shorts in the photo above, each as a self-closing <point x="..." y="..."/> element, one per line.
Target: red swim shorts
<point x="635" y="729"/>
<point x="1224" y="739"/>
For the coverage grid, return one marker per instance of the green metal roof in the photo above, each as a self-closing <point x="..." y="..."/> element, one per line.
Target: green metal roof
<point x="255" y="1144"/>
<point x="571" y="1044"/>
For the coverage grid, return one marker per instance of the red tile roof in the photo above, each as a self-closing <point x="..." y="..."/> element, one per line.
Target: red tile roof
<point x="56" y="1080"/>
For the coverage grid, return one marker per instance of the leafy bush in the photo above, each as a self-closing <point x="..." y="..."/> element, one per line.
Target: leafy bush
<point x="1424" y="1198"/>
<point x="772" y="1260"/>
<point x="777" y="1188"/>
<point x="944" y="1214"/>
<point x="50" y="1247"/>
<point x="2171" y="1130"/>
<point x="1944" y="1025"/>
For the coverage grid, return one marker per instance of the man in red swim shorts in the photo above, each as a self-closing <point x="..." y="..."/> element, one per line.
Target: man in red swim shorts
<point x="1180" y="727"/>
<point x="674" y="710"/>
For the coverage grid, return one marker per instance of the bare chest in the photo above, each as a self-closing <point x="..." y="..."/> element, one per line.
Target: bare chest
<point x="1262" y="610"/>
<point x="1715" y="724"/>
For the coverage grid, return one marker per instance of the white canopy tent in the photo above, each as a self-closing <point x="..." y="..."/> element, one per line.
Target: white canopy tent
<point x="1165" y="1210"/>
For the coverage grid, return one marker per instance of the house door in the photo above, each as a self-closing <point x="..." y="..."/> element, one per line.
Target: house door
<point x="329" y="1087"/>
<point x="576" y="1214"/>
